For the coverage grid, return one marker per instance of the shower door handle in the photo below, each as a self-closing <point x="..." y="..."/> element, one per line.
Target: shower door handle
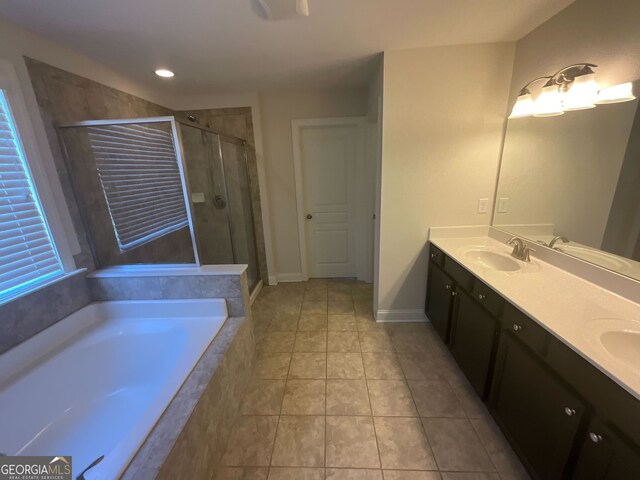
<point x="309" y="216"/>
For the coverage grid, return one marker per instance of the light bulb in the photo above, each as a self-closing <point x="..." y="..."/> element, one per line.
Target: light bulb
<point x="523" y="107"/>
<point x="163" y="72"/>
<point x="548" y="103"/>
<point x="615" y="94"/>
<point x="581" y="94"/>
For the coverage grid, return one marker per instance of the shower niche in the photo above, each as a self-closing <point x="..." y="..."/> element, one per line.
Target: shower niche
<point x="162" y="191"/>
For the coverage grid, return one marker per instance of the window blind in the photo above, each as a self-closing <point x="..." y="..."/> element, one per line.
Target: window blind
<point x="140" y="178"/>
<point x="27" y="253"/>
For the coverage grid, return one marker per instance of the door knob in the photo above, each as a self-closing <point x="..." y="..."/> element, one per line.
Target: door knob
<point x="569" y="412"/>
<point x="309" y="216"/>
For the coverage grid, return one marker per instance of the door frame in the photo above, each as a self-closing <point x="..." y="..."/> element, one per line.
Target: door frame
<point x="364" y="170"/>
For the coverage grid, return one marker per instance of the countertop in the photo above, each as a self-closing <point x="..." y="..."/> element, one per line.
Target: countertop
<point x="574" y="310"/>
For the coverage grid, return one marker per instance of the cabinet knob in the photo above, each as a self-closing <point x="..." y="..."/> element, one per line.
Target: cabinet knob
<point x="481" y="296"/>
<point x="433" y="255"/>
<point x="595" y="437"/>
<point x="454" y="293"/>
<point x="448" y="287"/>
<point x="516" y="327"/>
<point x="570" y="412"/>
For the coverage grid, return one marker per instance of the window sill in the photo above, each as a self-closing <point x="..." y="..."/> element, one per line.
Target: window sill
<point x="38" y="286"/>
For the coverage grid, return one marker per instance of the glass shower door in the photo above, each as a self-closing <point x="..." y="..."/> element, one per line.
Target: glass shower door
<point x="239" y="207"/>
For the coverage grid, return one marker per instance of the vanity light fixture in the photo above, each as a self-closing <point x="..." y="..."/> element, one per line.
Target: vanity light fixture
<point x="164" y="73"/>
<point x="571" y="88"/>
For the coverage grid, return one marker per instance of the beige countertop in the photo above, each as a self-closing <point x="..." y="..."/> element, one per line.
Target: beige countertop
<point x="590" y="319"/>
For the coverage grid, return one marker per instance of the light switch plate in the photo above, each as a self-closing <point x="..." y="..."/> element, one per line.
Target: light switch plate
<point x="482" y="205"/>
<point x="503" y="204"/>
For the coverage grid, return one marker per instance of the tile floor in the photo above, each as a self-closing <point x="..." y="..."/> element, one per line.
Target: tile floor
<point x="338" y="396"/>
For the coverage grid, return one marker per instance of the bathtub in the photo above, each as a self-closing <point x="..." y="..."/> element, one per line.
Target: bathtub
<point x="96" y="382"/>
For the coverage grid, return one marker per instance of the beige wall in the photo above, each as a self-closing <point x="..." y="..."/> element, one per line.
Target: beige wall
<point x="277" y="110"/>
<point x="443" y="118"/>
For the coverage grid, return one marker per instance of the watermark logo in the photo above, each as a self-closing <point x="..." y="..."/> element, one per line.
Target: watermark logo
<point x="35" y="468"/>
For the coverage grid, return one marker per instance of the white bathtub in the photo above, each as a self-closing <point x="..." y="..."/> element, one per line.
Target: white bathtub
<point x="96" y="382"/>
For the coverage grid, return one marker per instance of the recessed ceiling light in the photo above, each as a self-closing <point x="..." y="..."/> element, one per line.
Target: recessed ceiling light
<point x="163" y="72"/>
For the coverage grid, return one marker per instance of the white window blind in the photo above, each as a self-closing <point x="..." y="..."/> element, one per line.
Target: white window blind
<point x="27" y="253"/>
<point x="139" y="173"/>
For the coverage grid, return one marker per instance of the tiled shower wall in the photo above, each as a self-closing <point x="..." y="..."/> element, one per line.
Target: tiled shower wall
<point x="238" y="122"/>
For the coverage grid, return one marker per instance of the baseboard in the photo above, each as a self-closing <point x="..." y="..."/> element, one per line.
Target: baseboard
<point x="273" y="280"/>
<point x="401" y="316"/>
<point x="256" y="292"/>
<point x="290" y="277"/>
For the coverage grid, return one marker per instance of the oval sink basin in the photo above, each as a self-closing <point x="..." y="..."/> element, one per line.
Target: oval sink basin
<point x="623" y="345"/>
<point x="492" y="260"/>
<point x="604" y="259"/>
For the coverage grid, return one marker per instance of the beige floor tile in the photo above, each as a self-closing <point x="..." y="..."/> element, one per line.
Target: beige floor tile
<point x="363" y="306"/>
<point x="435" y="398"/>
<point x="251" y="441"/>
<point x="341" y="307"/>
<point x="342" y="323"/>
<point x="408" y="475"/>
<point x="391" y="398"/>
<point x="344" y="365"/>
<point x="277" y="342"/>
<point x="473" y="476"/>
<point x="343" y="342"/>
<point x="314" y="306"/>
<point x="378" y="341"/>
<point x="403" y="444"/>
<point x="315" y="295"/>
<point x="353" y="474"/>
<point x="311" y="342"/>
<point x="308" y="365"/>
<point x="310" y="322"/>
<point x="284" y="323"/>
<point x="366" y="323"/>
<point x="304" y="397"/>
<point x="242" y="473"/>
<point x="471" y="403"/>
<point x="382" y="366"/>
<point x="264" y="397"/>
<point x="418" y="366"/>
<point x="340" y="296"/>
<point x="456" y="445"/>
<point x="347" y="397"/>
<point x="287" y="473"/>
<point x="272" y="365"/>
<point x="351" y="442"/>
<point x="499" y="450"/>
<point x="299" y="442"/>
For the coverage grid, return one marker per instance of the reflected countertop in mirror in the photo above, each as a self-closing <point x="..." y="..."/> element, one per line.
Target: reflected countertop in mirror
<point x="576" y="175"/>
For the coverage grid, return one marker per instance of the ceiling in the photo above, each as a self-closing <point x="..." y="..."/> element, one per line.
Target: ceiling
<point x="227" y="46"/>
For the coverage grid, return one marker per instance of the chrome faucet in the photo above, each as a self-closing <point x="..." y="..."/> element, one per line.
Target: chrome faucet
<point x="556" y="238"/>
<point x="520" y="250"/>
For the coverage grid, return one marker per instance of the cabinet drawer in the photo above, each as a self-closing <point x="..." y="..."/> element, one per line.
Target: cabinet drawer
<point x="487" y="298"/>
<point x="436" y="255"/>
<point x="462" y="277"/>
<point x="526" y="330"/>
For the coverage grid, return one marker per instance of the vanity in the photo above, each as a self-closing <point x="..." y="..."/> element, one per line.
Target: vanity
<point x="552" y="356"/>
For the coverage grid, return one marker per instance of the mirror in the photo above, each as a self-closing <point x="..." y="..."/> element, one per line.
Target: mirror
<point x="576" y="176"/>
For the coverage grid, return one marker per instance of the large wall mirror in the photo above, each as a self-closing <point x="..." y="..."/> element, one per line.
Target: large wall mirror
<point x="572" y="183"/>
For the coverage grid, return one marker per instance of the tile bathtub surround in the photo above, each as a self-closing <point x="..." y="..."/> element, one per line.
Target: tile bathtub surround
<point x="233" y="288"/>
<point x="28" y="315"/>
<point x="189" y="439"/>
<point x="346" y="398"/>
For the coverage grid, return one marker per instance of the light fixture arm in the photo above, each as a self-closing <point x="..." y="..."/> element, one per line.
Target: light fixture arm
<point x="565" y="76"/>
<point x="525" y="90"/>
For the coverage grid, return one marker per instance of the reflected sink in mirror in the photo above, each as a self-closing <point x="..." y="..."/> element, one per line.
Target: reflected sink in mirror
<point x="492" y="258"/>
<point x="604" y="259"/>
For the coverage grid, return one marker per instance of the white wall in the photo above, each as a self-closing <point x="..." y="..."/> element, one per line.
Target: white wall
<point x="15" y="43"/>
<point x="443" y="117"/>
<point x="277" y="110"/>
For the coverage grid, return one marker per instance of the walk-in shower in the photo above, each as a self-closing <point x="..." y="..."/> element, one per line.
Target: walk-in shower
<point x="163" y="191"/>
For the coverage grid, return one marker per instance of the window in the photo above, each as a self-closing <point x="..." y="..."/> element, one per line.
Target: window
<point x="141" y="181"/>
<point x="28" y="256"/>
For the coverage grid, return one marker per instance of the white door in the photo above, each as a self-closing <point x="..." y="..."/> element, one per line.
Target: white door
<point x="328" y="157"/>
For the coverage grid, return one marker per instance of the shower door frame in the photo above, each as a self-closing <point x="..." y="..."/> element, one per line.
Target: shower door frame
<point x="182" y="167"/>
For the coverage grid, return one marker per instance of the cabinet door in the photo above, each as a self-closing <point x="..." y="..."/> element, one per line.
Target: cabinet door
<point x="605" y="456"/>
<point x="473" y="335"/>
<point x="539" y="414"/>
<point x="439" y="300"/>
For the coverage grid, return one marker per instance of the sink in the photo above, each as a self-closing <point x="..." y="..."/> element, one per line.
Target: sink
<point x="487" y="258"/>
<point x="623" y="345"/>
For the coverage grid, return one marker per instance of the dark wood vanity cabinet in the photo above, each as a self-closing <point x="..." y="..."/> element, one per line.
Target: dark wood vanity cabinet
<point x="564" y="417"/>
<point x="474" y="332"/>
<point x="536" y="410"/>
<point x="440" y="295"/>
